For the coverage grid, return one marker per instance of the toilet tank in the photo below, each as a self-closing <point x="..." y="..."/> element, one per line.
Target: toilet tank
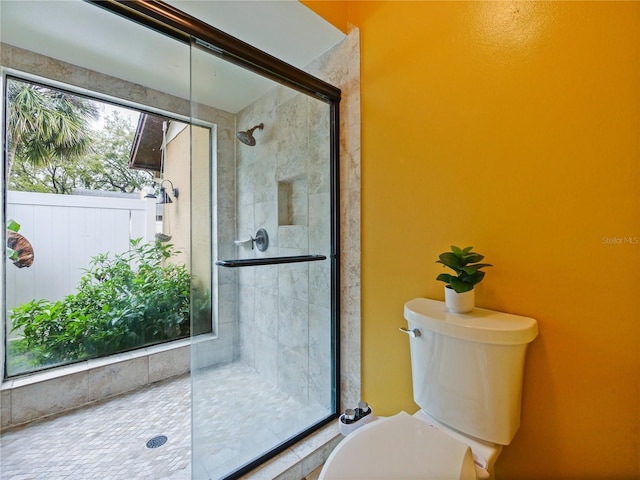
<point x="467" y="368"/>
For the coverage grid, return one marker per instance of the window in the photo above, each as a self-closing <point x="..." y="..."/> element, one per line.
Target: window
<point x="97" y="221"/>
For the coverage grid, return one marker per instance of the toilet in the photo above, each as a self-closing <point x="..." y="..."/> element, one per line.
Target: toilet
<point x="467" y="372"/>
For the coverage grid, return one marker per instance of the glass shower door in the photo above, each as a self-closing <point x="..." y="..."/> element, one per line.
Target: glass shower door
<point x="267" y="373"/>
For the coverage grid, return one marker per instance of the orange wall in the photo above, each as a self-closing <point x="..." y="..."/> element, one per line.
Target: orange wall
<point x="333" y="11"/>
<point x="513" y="127"/>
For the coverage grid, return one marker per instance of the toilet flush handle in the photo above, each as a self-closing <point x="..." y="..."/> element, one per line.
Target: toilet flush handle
<point x="412" y="333"/>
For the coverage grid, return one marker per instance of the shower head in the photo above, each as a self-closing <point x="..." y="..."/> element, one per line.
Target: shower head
<point x="247" y="137"/>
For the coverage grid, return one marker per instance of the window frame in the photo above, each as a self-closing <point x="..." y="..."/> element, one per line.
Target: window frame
<point x="7" y="74"/>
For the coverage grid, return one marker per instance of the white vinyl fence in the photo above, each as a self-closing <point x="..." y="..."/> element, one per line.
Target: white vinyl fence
<point x="65" y="232"/>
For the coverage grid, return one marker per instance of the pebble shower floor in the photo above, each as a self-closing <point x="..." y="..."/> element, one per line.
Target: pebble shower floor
<point x="107" y="440"/>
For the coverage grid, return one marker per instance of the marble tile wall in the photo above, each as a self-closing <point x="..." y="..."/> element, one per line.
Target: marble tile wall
<point x="283" y="186"/>
<point x="340" y="66"/>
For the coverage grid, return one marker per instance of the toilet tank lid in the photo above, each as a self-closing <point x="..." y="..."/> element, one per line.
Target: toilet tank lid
<point x="480" y="325"/>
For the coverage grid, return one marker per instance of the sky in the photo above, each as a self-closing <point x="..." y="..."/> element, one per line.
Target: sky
<point x="107" y="108"/>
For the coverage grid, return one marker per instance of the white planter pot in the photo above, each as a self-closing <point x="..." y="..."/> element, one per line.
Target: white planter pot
<point x="459" y="302"/>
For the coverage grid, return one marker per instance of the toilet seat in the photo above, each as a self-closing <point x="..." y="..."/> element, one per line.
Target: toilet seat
<point x="396" y="447"/>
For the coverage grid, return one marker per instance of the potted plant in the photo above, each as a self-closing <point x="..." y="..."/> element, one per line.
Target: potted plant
<point x="458" y="291"/>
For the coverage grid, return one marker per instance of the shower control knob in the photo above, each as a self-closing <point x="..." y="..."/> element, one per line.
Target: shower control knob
<point x="261" y="240"/>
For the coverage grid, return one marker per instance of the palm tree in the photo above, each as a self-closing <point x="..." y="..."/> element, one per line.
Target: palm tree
<point x="106" y="168"/>
<point x="44" y="124"/>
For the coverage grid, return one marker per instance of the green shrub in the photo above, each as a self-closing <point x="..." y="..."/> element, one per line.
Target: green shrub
<point x="123" y="302"/>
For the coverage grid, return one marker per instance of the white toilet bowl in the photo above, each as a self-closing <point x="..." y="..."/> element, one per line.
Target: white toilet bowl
<point x="406" y="447"/>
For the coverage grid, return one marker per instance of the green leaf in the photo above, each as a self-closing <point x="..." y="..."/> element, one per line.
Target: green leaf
<point x="13" y="226"/>
<point x="478" y="266"/>
<point x="469" y="270"/>
<point x="456" y="250"/>
<point x="472" y="257"/>
<point x="444" y="277"/>
<point x="473" y="279"/>
<point x="459" y="286"/>
<point x="449" y="259"/>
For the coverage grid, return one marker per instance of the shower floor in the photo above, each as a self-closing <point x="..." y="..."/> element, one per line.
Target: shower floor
<point x="107" y="440"/>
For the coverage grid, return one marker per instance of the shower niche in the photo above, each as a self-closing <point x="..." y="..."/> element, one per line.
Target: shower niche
<point x="293" y="202"/>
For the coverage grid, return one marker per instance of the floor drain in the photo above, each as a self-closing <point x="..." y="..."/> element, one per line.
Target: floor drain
<point x="158" y="441"/>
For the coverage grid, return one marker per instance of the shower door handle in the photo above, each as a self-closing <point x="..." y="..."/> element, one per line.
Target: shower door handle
<point x="254" y="262"/>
